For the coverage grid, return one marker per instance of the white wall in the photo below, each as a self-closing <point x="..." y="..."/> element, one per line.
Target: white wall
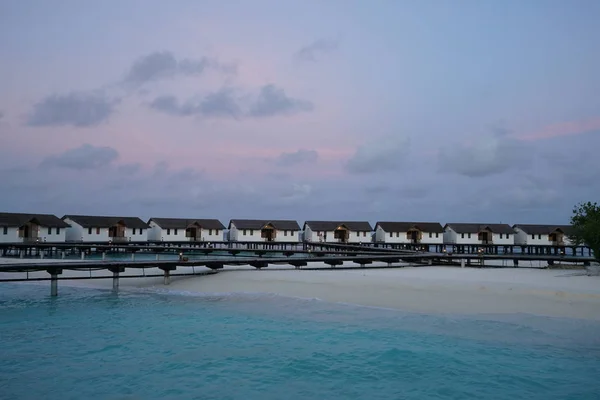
<point x="358" y="237"/>
<point x="400" y="237"/>
<point x="313" y="236"/>
<point x="520" y="236"/>
<point x="157" y="233"/>
<point x="328" y="236"/>
<point x="55" y="235"/>
<point x="287" y="235"/>
<point x="12" y="235"/>
<point x="77" y="233"/>
<point x="503" y="239"/>
<point x="451" y="237"/>
<point x="381" y="236"/>
<point x="309" y="236"/>
<point x="436" y="238"/>
<point x="254" y="235"/>
<point x="154" y="231"/>
<point x="523" y="238"/>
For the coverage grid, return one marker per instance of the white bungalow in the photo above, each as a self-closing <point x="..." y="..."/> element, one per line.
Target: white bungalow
<point x="409" y="232"/>
<point x="338" y="231"/>
<point x="542" y="235"/>
<point x="185" y="230"/>
<point x="87" y="228"/>
<point x="474" y="234"/>
<point x="254" y="230"/>
<point x="23" y="228"/>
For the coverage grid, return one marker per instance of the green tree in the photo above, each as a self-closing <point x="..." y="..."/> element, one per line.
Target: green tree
<point x="586" y="226"/>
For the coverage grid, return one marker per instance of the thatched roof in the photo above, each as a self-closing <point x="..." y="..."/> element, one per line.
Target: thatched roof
<point x="279" y="224"/>
<point x="329" y="226"/>
<point x="183" y="223"/>
<point x="92" y="221"/>
<point x="476" y="228"/>
<point x="20" y="219"/>
<point x="532" y="229"/>
<point x="433" y="227"/>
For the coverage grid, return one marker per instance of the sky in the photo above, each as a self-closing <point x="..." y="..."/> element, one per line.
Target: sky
<point x="446" y="111"/>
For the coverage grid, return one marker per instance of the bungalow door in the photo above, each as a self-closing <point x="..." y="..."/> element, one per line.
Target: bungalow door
<point x="414" y="236"/>
<point x="485" y="237"/>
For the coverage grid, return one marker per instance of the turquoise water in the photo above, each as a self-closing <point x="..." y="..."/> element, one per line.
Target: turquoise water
<point x="94" y="344"/>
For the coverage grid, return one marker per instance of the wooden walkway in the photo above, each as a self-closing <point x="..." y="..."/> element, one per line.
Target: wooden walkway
<point x="333" y="259"/>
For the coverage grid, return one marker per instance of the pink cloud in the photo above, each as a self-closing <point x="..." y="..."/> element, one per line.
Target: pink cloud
<point x="232" y="160"/>
<point x="564" y="129"/>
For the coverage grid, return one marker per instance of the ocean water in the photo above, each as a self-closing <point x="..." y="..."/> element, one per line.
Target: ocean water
<point x="96" y="344"/>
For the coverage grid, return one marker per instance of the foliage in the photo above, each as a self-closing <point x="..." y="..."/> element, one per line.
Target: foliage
<point x="586" y="226"/>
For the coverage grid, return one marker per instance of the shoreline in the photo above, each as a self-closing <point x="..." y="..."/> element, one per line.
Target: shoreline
<point x="563" y="293"/>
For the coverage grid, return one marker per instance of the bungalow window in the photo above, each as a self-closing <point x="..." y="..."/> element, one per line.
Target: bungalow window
<point x="500" y="236"/>
<point x="539" y="236"/>
<point x="168" y="231"/>
<point x="89" y="231"/>
<point x="216" y="231"/>
<point x="365" y="234"/>
<point x="430" y="234"/>
<point x="284" y="233"/>
<point x="462" y="235"/>
<point x="49" y="231"/>
<point x="133" y="232"/>
<point x="141" y="231"/>
<point x="58" y="231"/>
<point x="437" y="235"/>
<point x="174" y="232"/>
<point x="244" y="232"/>
<point x="357" y="233"/>
<point x="5" y="229"/>
<point x="210" y="231"/>
<point x="508" y="235"/>
<point x="397" y="234"/>
<point x="251" y="232"/>
<point x="97" y="231"/>
<point x="469" y="236"/>
<point x="533" y="236"/>
<point x="391" y="234"/>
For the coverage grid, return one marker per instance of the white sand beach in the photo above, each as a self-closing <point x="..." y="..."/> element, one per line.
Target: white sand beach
<point x="546" y="292"/>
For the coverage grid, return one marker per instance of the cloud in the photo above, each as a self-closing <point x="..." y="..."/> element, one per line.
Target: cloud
<point x="273" y="101"/>
<point x="379" y="155"/>
<point x="296" y="192"/>
<point x="313" y="51"/>
<point x="524" y="193"/>
<point x="129" y="169"/>
<point x="82" y="109"/>
<point x="218" y="104"/>
<point x="169" y="105"/>
<point x="414" y="191"/>
<point x="499" y="129"/>
<point x="298" y="157"/>
<point x="221" y="104"/>
<point x="163" y="65"/>
<point x="565" y="129"/>
<point x="573" y="167"/>
<point x="489" y="155"/>
<point x="405" y="191"/>
<point x="153" y="67"/>
<point x="85" y="157"/>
